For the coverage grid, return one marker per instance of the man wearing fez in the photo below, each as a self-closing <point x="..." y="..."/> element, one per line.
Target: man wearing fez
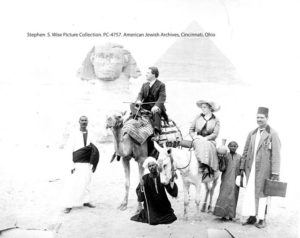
<point x="260" y="161"/>
<point x="152" y="97"/>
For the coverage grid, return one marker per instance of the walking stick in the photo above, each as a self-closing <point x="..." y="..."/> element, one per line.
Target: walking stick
<point x="143" y="191"/>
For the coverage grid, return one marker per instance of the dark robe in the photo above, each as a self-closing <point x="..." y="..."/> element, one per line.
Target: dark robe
<point x="229" y="192"/>
<point x="87" y="154"/>
<point x="160" y="210"/>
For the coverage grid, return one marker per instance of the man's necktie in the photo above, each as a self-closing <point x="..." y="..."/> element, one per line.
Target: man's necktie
<point x="261" y="131"/>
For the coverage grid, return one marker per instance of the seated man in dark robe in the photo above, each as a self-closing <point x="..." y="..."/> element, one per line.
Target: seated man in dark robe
<point x="150" y="191"/>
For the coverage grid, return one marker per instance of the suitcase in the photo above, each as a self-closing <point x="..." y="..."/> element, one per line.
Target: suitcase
<point x="275" y="188"/>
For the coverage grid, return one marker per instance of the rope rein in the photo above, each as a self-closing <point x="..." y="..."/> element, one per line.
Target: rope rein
<point x="187" y="164"/>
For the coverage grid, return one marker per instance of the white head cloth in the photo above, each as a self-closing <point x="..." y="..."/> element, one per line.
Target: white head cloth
<point x="147" y="161"/>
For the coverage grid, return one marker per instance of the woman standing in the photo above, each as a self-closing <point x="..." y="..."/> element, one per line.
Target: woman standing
<point x="204" y="131"/>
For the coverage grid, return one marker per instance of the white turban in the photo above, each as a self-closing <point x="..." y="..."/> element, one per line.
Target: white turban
<point x="149" y="160"/>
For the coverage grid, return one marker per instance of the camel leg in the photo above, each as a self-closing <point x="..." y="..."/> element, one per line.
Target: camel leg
<point x="211" y="192"/>
<point x="126" y="165"/>
<point x="141" y="173"/>
<point x="197" y="197"/>
<point x="186" y="191"/>
<point x="206" y="198"/>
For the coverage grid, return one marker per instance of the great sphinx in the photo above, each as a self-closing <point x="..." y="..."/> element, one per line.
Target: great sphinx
<point x="109" y="62"/>
<point x="108" y="68"/>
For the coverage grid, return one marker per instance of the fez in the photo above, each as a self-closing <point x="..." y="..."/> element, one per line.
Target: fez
<point x="263" y="110"/>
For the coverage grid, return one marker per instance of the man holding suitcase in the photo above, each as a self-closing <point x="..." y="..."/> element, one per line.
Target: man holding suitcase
<point x="260" y="161"/>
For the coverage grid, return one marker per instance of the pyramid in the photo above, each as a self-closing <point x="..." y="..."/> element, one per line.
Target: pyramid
<point x="196" y="59"/>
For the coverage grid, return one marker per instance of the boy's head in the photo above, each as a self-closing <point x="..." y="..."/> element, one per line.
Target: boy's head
<point x="233" y="146"/>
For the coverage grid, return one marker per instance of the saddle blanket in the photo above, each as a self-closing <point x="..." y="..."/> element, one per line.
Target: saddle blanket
<point x="138" y="129"/>
<point x="170" y="134"/>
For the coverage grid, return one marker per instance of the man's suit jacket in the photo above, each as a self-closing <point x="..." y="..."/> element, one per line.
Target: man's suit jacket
<point x="156" y="93"/>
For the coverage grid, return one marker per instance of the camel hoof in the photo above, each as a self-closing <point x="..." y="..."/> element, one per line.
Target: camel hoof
<point x="209" y="209"/>
<point x="203" y="209"/>
<point x="122" y="207"/>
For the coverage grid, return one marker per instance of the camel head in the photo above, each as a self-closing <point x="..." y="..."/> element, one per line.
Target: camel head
<point x="165" y="163"/>
<point x="115" y="119"/>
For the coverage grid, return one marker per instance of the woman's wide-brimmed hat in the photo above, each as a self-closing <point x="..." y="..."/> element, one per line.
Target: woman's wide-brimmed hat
<point x="213" y="105"/>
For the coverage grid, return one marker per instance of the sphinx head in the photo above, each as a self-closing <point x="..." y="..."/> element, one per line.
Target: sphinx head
<point x="108" y="62"/>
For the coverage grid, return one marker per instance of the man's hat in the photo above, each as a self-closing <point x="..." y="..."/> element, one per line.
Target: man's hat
<point x="149" y="160"/>
<point x="263" y="110"/>
<point x="213" y="105"/>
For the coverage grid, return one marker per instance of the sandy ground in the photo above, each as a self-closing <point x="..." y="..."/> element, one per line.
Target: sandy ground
<point x="33" y="171"/>
<point x="34" y="202"/>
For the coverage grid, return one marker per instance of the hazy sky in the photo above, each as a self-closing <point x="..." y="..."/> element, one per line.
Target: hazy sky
<point x="259" y="37"/>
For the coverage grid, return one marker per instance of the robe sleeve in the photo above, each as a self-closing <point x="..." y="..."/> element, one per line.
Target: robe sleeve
<point x="244" y="156"/>
<point x="223" y="163"/>
<point x="140" y="194"/>
<point x="68" y="151"/>
<point x="238" y="166"/>
<point x="172" y="191"/>
<point x="275" y="153"/>
<point x="94" y="158"/>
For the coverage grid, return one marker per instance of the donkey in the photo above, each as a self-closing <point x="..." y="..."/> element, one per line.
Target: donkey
<point x="172" y="159"/>
<point x="127" y="149"/>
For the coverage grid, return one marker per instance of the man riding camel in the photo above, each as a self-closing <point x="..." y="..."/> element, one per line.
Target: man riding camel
<point x="150" y="100"/>
<point x="152" y="97"/>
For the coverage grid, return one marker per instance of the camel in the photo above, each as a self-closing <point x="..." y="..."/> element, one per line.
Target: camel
<point x="172" y="159"/>
<point x="127" y="149"/>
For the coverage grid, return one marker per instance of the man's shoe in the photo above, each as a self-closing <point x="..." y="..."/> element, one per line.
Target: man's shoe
<point x="89" y="205"/>
<point x="67" y="210"/>
<point x="250" y="221"/>
<point x="261" y="224"/>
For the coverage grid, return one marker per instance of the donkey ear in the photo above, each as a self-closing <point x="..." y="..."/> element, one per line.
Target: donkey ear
<point x="123" y="113"/>
<point x="160" y="150"/>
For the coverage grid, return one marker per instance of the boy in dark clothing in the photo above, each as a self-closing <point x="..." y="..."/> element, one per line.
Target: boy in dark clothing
<point x="229" y="192"/>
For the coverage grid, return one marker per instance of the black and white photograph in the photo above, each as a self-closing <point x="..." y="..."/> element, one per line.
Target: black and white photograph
<point x="149" y="119"/>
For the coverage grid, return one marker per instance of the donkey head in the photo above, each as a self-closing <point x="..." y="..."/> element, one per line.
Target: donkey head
<point x="165" y="164"/>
